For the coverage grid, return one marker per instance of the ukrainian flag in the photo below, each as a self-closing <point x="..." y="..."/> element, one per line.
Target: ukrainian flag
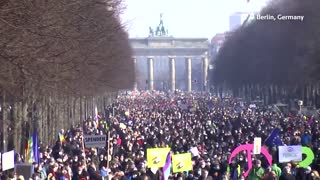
<point x="32" y="152"/>
<point x="61" y="138"/>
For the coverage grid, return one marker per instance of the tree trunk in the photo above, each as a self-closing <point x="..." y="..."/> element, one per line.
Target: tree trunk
<point x="76" y="112"/>
<point x="48" y="118"/>
<point x="4" y="122"/>
<point x="17" y="126"/>
<point x="93" y="104"/>
<point x="313" y="95"/>
<point x="248" y="92"/>
<point x="272" y="94"/>
<point x="40" y="119"/>
<point x="44" y="116"/>
<point x="265" y="94"/>
<point x="86" y="108"/>
<point x="81" y="108"/>
<point x="277" y="90"/>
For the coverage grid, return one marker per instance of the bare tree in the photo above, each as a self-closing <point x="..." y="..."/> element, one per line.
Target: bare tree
<point x="55" y="56"/>
<point x="273" y="58"/>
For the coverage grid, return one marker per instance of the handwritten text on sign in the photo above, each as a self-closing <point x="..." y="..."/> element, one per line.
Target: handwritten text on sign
<point x="92" y="141"/>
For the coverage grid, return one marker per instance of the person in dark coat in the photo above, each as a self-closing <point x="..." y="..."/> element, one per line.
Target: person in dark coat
<point x="234" y="171"/>
<point x="205" y="175"/>
<point x="93" y="173"/>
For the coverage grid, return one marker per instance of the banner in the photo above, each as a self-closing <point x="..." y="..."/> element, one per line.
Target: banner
<point x="290" y="153"/>
<point x="156" y="157"/>
<point x="7" y="160"/>
<point x="94" y="141"/>
<point x="257" y="145"/>
<point x="181" y="162"/>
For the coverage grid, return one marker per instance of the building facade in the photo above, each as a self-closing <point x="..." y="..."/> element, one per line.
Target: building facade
<point x="216" y="43"/>
<point x="238" y="18"/>
<point x="168" y="63"/>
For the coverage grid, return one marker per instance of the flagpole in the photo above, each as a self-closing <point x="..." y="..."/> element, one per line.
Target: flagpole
<point x="108" y="149"/>
<point x="26" y="150"/>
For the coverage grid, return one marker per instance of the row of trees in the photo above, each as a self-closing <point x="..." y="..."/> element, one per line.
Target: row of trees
<point x="58" y="58"/>
<point x="277" y="56"/>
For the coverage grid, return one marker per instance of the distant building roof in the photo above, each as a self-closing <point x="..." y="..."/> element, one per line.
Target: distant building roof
<point x="218" y="38"/>
<point x="244" y="13"/>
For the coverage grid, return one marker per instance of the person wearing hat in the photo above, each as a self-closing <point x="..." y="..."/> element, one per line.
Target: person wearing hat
<point x="276" y="168"/>
<point x="308" y="172"/>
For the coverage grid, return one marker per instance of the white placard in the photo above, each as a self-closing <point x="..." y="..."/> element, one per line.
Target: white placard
<point x="252" y="106"/>
<point x="93" y="141"/>
<point x="257" y="145"/>
<point x="7" y="160"/>
<point x="194" y="151"/>
<point x="154" y="170"/>
<point x="290" y="153"/>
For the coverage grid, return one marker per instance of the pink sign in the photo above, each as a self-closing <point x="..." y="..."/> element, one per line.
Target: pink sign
<point x="249" y="149"/>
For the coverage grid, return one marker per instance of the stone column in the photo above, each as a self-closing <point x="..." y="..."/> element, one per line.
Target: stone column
<point x="150" y="73"/>
<point x="135" y="86"/>
<point x="189" y="69"/>
<point x="205" y="63"/>
<point x="172" y="67"/>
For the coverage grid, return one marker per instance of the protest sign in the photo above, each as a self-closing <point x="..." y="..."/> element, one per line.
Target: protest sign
<point x="194" y="151"/>
<point x="290" y="153"/>
<point x="94" y="141"/>
<point x="181" y="162"/>
<point x="7" y="160"/>
<point x="156" y="157"/>
<point x="257" y="145"/>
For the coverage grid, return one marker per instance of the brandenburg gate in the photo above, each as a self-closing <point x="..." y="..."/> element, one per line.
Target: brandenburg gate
<point x="147" y="50"/>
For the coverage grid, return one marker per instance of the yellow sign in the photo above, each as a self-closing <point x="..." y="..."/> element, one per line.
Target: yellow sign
<point x="156" y="157"/>
<point x="181" y="162"/>
<point x="257" y="145"/>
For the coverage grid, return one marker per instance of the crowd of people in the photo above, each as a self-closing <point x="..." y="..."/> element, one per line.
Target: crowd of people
<point x="141" y="120"/>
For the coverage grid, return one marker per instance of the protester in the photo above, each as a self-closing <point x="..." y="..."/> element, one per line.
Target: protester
<point x="215" y="127"/>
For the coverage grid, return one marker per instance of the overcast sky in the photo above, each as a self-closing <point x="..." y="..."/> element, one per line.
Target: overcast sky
<point x="184" y="18"/>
